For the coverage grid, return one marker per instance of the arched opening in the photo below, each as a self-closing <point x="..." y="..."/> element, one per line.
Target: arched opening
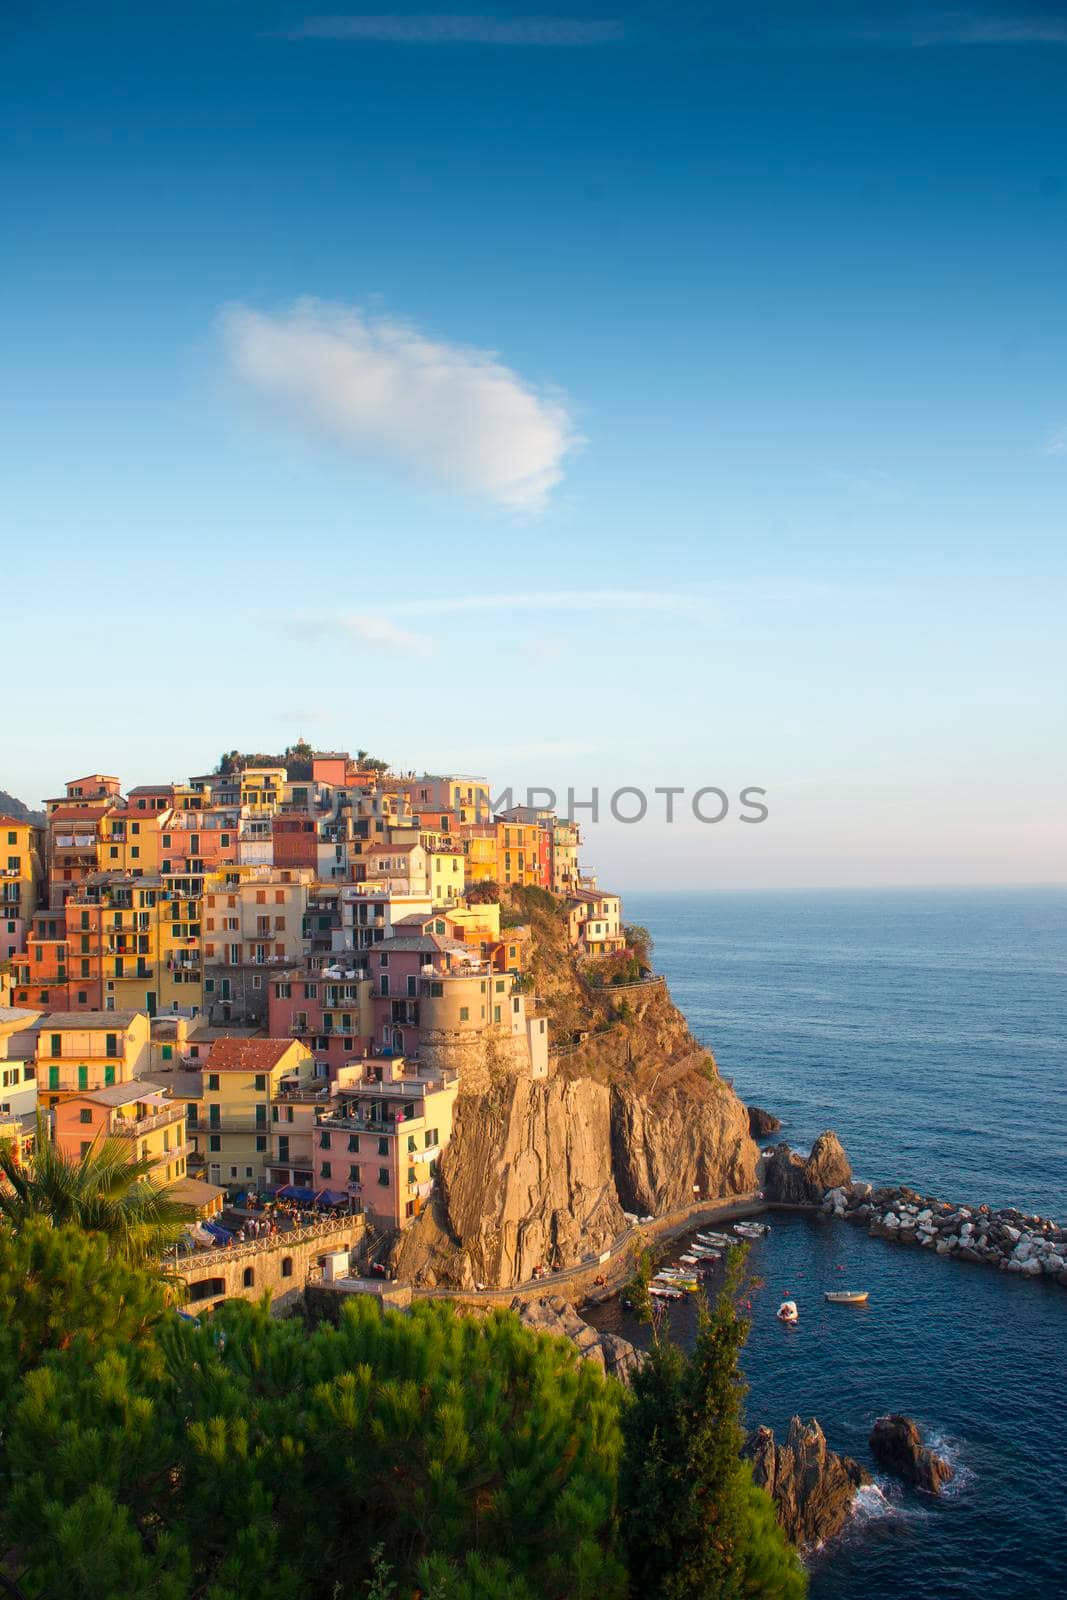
<point x="249" y="1277"/>
<point x="287" y="1266"/>
<point x="207" y="1288"/>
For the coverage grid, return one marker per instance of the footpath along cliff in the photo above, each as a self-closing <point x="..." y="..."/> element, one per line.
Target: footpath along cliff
<point x="633" y="1117"/>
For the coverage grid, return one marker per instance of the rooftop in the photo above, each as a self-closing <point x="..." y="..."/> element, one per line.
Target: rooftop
<point x="124" y="1094"/>
<point x="247" y="1055"/>
<point x="102" y="1021"/>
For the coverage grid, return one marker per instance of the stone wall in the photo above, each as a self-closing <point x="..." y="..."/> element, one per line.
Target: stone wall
<point x="280" y="1266"/>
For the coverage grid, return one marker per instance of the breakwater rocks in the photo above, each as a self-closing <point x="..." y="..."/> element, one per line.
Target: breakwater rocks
<point x="616" y="1355"/>
<point x="812" y="1487"/>
<point x="1007" y="1239"/>
<point x="897" y="1445"/>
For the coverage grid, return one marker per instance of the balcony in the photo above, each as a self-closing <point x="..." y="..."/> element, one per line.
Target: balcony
<point x="133" y="1129"/>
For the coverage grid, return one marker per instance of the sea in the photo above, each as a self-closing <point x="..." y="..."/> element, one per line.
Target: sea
<point x="929" y="1028"/>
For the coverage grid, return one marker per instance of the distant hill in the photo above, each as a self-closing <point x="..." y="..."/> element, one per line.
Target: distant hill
<point x="10" y="807"/>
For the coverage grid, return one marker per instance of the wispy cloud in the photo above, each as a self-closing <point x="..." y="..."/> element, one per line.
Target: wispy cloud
<point x="451" y="29"/>
<point x="384" y="624"/>
<point x="445" y="412"/>
<point x="958" y="27"/>
<point x="1057" y="443"/>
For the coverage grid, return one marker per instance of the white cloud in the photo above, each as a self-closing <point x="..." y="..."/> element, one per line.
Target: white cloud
<point x="446" y="412"/>
<point x="452" y="29"/>
<point x="1057" y="444"/>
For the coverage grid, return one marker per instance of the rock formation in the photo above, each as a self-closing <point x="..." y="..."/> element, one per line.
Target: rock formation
<point x="897" y="1445"/>
<point x="761" y="1123"/>
<point x="616" y="1355"/>
<point x="812" y="1487"/>
<point x="538" y="1173"/>
<point x="791" y="1179"/>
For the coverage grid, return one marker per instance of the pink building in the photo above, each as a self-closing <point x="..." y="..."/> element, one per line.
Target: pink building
<point x="328" y="1007"/>
<point x="382" y="1144"/>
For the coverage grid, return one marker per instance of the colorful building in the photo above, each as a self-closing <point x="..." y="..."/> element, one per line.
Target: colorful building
<point x="80" y="1050"/>
<point x="241" y="1080"/>
<point x="142" y="1116"/>
<point x="21" y="881"/>
<point x="594" y="922"/>
<point x="382" y="1144"/>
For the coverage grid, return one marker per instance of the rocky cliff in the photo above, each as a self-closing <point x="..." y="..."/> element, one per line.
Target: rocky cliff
<point x="635" y="1117"/>
<point x="812" y="1487"/>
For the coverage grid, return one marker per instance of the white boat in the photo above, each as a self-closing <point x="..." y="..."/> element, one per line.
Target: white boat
<point x="713" y="1238"/>
<point x="787" y="1311"/>
<point x="848" y="1297"/>
<point x="751" y="1230"/>
<point x="689" y="1260"/>
<point x="661" y="1292"/>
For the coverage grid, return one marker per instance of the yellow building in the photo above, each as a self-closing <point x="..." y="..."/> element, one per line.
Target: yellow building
<point x="480" y="849"/>
<point x="20" y="881"/>
<point x="81" y="1050"/>
<point x="142" y="1116"/>
<point x="243" y="1078"/>
<point x="140" y="940"/>
<point x="446" y="872"/>
<point x="518" y="849"/>
<point x="262" y="788"/>
<point x="129" y="841"/>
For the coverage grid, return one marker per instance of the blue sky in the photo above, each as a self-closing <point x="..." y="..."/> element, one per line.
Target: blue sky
<point x="600" y="397"/>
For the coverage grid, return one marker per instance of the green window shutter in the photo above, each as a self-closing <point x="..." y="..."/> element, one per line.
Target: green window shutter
<point x="109" y="1076"/>
<point x="53" y="1077"/>
<point x="83" y="1077"/>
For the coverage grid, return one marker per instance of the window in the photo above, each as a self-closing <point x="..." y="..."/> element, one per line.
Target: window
<point x="85" y="1114"/>
<point x="213" y="1082"/>
<point x="287" y="1266"/>
<point x="55" y="1044"/>
<point x="214" y="1143"/>
<point x="496" y="1013"/>
<point x="261" y="1082"/>
<point x="432" y="1138"/>
<point x="383" y="1177"/>
<point x="464" y="1013"/>
<point x="326" y="1169"/>
<point x="353" y="1174"/>
<point x="500" y="986"/>
<point x="261" y="1144"/>
<point x="353" y="1143"/>
<point x="168" y="1052"/>
<point x="383" y="1147"/>
<point x="249" y="1277"/>
<point x="324" y="1141"/>
<point x="111" y="1044"/>
<point x="83" y="1076"/>
<point x="109" y="1077"/>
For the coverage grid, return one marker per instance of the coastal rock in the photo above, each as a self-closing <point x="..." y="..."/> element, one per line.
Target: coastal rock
<point x="552" y="1314"/>
<point x="812" y="1487"/>
<point x="897" y="1445"/>
<point x="539" y="1172"/>
<point x="761" y="1123"/>
<point x="783" y="1180"/>
<point x="827" y="1167"/>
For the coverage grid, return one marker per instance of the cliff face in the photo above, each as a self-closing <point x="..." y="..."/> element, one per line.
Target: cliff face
<point x="539" y="1173"/>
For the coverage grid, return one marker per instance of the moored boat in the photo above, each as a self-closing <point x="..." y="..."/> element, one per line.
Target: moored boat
<point x="848" y="1297"/>
<point x="788" y="1312"/>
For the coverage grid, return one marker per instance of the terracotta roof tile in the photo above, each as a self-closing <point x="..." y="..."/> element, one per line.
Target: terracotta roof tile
<point x="247" y="1055"/>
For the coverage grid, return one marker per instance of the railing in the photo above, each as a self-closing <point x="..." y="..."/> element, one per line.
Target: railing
<point x="305" y="1234"/>
<point x="157" y="1119"/>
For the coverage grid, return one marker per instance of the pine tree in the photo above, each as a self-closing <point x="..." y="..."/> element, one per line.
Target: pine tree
<point x="693" y="1524"/>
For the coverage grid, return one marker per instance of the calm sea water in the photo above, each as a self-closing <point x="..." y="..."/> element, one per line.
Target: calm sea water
<point x="929" y="1029"/>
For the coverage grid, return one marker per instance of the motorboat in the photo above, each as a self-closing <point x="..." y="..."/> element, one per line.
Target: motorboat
<point x="848" y="1297"/>
<point x="787" y="1311"/>
<point x="660" y="1291"/>
<point x="715" y="1239"/>
<point x="751" y="1230"/>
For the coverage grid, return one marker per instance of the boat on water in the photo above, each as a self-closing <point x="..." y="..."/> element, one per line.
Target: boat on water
<point x="788" y="1312"/>
<point x="713" y="1238"/>
<point x="751" y="1230"/>
<point x="661" y="1292"/>
<point x="848" y="1297"/>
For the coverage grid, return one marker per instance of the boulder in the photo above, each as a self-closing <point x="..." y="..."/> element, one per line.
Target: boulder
<point x="812" y="1487"/>
<point x="552" y="1314"/>
<point x="784" y="1180"/>
<point x="761" y="1123"/>
<point x="827" y="1167"/>
<point x="897" y="1445"/>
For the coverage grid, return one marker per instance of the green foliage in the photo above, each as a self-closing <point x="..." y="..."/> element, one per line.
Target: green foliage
<point x="103" y="1191"/>
<point x="465" y="1458"/>
<point x="693" y="1524"/>
<point x="639" y="941"/>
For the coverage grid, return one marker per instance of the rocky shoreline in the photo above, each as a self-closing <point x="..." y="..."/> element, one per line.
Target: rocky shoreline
<point x="1005" y="1238"/>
